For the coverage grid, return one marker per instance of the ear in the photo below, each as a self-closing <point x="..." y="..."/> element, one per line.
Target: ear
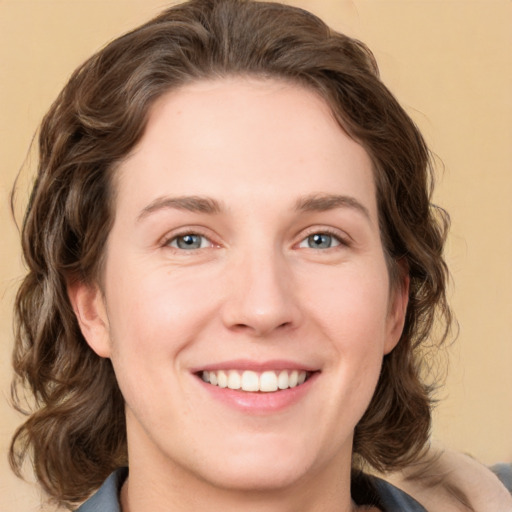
<point x="89" y="307"/>
<point x="399" y="299"/>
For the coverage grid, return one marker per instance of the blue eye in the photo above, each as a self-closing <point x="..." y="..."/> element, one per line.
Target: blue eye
<point x="320" y="241"/>
<point x="189" y="241"/>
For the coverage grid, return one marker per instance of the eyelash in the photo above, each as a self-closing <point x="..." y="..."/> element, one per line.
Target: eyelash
<point x="168" y="241"/>
<point x="334" y="234"/>
<point x="341" y="240"/>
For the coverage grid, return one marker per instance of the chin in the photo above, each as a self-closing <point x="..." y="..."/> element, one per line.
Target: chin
<point x="247" y="477"/>
<point x="266" y="467"/>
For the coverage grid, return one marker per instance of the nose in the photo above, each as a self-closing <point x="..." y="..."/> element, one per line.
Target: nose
<point x="262" y="296"/>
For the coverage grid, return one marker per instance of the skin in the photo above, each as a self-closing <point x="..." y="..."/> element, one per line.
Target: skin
<point x="275" y="168"/>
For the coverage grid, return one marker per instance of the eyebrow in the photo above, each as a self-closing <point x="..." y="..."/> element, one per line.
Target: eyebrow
<point x="325" y="202"/>
<point x="196" y="204"/>
<point x="200" y="204"/>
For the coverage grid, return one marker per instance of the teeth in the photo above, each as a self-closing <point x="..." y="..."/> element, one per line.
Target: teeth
<point x="283" y="381"/>
<point x="250" y="381"/>
<point x="266" y="382"/>
<point x="234" y="380"/>
<point x="222" y="379"/>
<point x="294" y="378"/>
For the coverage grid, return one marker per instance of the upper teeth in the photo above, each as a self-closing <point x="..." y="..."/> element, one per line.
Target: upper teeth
<point x="248" y="380"/>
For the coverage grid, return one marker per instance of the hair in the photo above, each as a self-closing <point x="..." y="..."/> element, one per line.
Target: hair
<point x="75" y="432"/>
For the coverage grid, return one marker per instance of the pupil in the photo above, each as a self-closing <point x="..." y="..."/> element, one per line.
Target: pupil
<point x="320" y="240"/>
<point x="189" y="242"/>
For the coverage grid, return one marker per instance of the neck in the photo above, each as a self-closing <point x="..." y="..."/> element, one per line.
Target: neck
<point x="160" y="483"/>
<point x="135" y="498"/>
<point x="161" y="487"/>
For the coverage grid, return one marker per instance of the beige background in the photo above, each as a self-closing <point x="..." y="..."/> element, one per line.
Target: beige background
<point x="449" y="64"/>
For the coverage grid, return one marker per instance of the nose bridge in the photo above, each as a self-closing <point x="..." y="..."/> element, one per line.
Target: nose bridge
<point x="261" y="298"/>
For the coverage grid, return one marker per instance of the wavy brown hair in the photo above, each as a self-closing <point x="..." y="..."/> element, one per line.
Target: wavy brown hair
<point x="75" y="432"/>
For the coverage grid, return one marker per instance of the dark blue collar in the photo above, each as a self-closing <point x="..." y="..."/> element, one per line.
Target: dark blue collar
<point x="383" y="494"/>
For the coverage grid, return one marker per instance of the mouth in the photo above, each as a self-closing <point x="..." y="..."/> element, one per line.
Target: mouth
<point x="268" y="381"/>
<point x="258" y="388"/>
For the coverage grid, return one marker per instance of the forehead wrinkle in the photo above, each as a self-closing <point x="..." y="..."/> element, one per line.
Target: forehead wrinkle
<point x="195" y="204"/>
<point x="325" y="202"/>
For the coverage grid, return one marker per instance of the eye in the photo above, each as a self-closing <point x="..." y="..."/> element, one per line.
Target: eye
<point x="320" y="241"/>
<point x="189" y="242"/>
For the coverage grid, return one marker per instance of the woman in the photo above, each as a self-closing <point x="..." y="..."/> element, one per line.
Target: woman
<point x="234" y="266"/>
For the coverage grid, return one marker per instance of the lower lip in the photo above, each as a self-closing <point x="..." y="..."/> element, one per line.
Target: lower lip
<point x="260" y="403"/>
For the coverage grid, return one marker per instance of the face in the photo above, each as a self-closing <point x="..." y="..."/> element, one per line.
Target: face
<point x="246" y="303"/>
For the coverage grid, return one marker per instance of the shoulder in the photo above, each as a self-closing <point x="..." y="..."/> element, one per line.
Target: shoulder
<point x="393" y="499"/>
<point x="106" y="499"/>
<point x="504" y="473"/>
<point x="370" y="490"/>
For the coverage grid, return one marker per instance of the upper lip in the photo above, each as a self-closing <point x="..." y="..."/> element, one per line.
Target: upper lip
<point x="256" y="366"/>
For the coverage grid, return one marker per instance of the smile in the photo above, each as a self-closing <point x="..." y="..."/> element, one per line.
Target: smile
<point x="267" y="382"/>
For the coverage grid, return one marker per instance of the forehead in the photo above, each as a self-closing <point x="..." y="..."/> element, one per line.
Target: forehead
<point x="247" y="136"/>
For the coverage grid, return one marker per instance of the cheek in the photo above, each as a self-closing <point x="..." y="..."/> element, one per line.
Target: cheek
<point x="353" y="315"/>
<point x="155" y="314"/>
<point x="353" y="300"/>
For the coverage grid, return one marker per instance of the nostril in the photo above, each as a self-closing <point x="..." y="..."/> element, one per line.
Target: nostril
<point x="241" y="327"/>
<point x="260" y="329"/>
<point x="259" y="314"/>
